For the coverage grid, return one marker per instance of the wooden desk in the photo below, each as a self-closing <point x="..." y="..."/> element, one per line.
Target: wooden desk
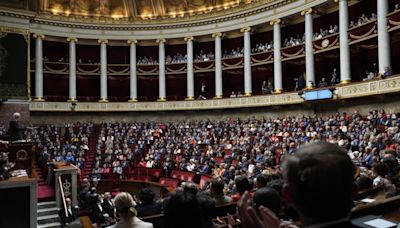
<point x="18" y="202"/>
<point x="134" y="187"/>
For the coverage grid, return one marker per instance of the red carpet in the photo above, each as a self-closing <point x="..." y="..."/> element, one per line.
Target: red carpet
<point x="45" y="193"/>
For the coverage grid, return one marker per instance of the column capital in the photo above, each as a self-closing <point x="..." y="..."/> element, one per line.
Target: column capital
<point x="337" y="1"/>
<point x="132" y="41"/>
<point x="188" y="38"/>
<point x="306" y="11"/>
<point x="39" y="36"/>
<point x="102" y="41"/>
<point x="217" y="34"/>
<point x="275" y="22"/>
<point x="72" y="39"/>
<point x="161" y="40"/>
<point x="245" y="29"/>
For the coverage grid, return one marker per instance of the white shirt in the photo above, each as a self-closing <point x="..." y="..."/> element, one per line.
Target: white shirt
<point x="135" y="223"/>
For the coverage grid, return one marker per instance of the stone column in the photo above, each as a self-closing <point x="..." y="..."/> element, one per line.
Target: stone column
<point x="103" y="70"/>
<point x="345" y="71"/>
<point x="310" y="74"/>
<point x="277" y="56"/>
<point x="383" y="36"/>
<point x="133" y="72"/>
<point x="72" y="69"/>
<point x="247" y="61"/>
<point x="162" y="96"/>
<point x="189" y="70"/>
<point x="218" y="65"/>
<point x="39" y="67"/>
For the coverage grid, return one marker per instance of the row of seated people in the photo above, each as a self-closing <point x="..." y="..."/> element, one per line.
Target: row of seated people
<point x="226" y="149"/>
<point x="61" y="144"/>
<point x="316" y="181"/>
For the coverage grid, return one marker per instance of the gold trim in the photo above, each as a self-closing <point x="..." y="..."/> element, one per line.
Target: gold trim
<point x="188" y="38"/>
<point x="72" y="39"/>
<point x="157" y="23"/>
<point x="309" y="87"/>
<point x="162" y="99"/>
<point x="103" y="100"/>
<point x="218" y="97"/>
<point x="132" y="41"/>
<point x="39" y="36"/>
<point x="247" y="94"/>
<point x="191" y="98"/>
<point x="344" y="82"/>
<point x="28" y="59"/>
<point x="133" y="100"/>
<point x="275" y="22"/>
<point x="26" y="33"/>
<point x="161" y="40"/>
<point x="217" y="34"/>
<point x="72" y="99"/>
<point x="41" y="99"/>
<point x="245" y="29"/>
<point x="306" y="11"/>
<point x="278" y="91"/>
<point x="102" y="41"/>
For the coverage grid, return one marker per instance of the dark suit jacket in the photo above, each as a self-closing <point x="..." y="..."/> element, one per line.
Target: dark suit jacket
<point x="108" y="208"/>
<point x="148" y="210"/>
<point x="15" y="131"/>
<point x="72" y="215"/>
<point x="96" y="215"/>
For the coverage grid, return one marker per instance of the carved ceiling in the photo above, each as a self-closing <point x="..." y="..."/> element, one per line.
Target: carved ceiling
<point x="145" y="9"/>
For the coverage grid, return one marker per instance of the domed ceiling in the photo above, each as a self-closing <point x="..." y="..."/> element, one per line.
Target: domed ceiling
<point x="144" y="9"/>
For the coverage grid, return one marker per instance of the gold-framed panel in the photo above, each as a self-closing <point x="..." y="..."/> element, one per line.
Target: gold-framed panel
<point x="26" y="34"/>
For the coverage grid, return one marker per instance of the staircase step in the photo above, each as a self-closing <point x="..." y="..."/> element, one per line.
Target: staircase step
<point x="48" y="211"/>
<point x="47" y="204"/>
<point x="50" y="225"/>
<point x="45" y="219"/>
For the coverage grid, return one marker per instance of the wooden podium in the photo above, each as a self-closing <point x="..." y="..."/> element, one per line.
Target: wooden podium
<point x="18" y="202"/>
<point x="66" y="179"/>
<point x="22" y="154"/>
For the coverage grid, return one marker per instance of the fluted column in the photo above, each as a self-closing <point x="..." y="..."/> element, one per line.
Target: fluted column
<point x="247" y="60"/>
<point x="189" y="70"/>
<point x="383" y="36"/>
<point x="277" y="56"/>
<point x="218" y="65"/>
<point x="39" y="67"/>
<point x="72" y="68"/>
<point x="161" y="70"/>
<point x="310" y="74"/>
<point x="345" y="71"/>
<point x="133" y="72"/>
<point x="103" y="70"/>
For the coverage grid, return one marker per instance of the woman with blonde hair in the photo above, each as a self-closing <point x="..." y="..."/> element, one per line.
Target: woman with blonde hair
<point x="126" y="212"/>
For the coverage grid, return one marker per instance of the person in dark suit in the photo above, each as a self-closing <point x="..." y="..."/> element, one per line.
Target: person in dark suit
<point x="72" y="213"/>
<point x="108" y="205"/>
<point x="319" y="182"/>
<point x="301" y="82"/>
<point x="147" y="206"/>
<point x="97" y="213"/>
<point x="16" y="130"/>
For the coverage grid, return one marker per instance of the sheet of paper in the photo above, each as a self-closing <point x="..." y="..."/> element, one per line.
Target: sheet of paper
<point x="368" y="200"/>
<point x="380" y="223"/>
